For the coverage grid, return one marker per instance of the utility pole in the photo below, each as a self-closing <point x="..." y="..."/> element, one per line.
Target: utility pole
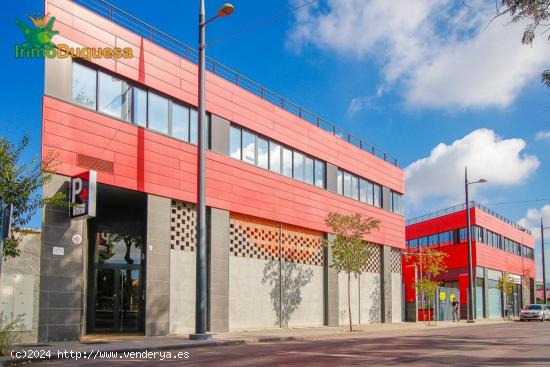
<point x="543" y="261"/>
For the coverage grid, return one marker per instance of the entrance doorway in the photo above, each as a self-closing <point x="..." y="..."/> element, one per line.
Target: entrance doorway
<point x="116" y="261"/>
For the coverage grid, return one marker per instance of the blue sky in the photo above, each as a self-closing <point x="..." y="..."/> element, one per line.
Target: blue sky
<point x="421" y="73"/>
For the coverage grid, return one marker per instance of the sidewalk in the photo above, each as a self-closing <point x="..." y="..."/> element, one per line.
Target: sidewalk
<point x="102" y="343"/>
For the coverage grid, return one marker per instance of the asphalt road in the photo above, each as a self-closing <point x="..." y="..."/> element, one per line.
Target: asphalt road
<point x="514" y="344"/>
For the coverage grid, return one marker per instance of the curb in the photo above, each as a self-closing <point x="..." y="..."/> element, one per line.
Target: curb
<point x="8" y="362"/>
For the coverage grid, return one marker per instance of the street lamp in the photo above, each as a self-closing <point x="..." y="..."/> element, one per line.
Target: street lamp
<point x="542" y="228"/>
<point x="200" y="302"/>
<point x="469" y="237"/>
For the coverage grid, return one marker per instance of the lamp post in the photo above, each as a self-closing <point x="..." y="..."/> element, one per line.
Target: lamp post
<point x="542" y="228"/>
<point x="469" y="238"/>
<point x="200" y="302"/>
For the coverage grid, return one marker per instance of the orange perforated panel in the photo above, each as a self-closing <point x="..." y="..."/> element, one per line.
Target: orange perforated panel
<point x="302" y="245"/>
<point x="259" y="239"/>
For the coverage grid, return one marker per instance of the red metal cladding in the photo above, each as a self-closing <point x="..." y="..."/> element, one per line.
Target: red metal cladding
<point x="482" y="254"/>
<point x="157" y="164"/>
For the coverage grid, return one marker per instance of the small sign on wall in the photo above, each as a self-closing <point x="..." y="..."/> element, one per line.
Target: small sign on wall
<point x="83" y="195"/>
<point x="59" y="251"/>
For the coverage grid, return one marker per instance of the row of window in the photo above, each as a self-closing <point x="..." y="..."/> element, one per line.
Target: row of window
<point x="483" y="235"/>
<point x="121" y="99"/>
<point x="479" y="234"/>
<point x="118" y="98"/>
<point x="252" y="148"/>
<point x="368" y="192"/>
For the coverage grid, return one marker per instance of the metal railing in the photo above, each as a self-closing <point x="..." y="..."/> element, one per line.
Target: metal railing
<point x="457" y="208"/>
<point x="170" y="43"/>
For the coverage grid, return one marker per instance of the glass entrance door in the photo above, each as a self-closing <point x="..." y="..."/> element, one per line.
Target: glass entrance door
<point x="117" y="306"/>
<point x="118" y="290"/>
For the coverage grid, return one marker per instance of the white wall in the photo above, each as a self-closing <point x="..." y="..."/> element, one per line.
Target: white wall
<point x="396" y="297"/>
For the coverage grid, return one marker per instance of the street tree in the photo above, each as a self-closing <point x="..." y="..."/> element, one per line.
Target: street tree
<point x="536" y="14"/>
<point x="20" y="186"/>
<point x="349" y="251"/>
<point x="506" y="285"/>
<point x="430" y="263"/>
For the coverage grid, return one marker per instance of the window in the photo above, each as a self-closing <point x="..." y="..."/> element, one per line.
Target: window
<point x="462" y="235"/>
<point x="84" y="85"/>
<point x="309" y="172"/>
<point x="158" y="113"/>
<point x="363" y="190"/>
<point x="249" y="147"/>
<point x="274" y="157"/>
<point x="413" y="243"/>
<point x="423" y="241"/>
<point x="433" y="240"/>
<point x="139" y="106"/>
<point x="395" y="202"/>
<point x="377" y="192"/>
<point x="340" y="183"/>
<point x="355" y="187"/>
<point x="444" y="238"/>
<point x="347" y="184"/>
<point x="298" y="166"/>
<point x="287" y="162"/>
<point x="263" y="153"/>
<point x="180" y="122"/>
<point x="194" y="122"/>
<point x="235" y="143"/>
<point x="319" y="173"/>
<point x="112" y="94"/>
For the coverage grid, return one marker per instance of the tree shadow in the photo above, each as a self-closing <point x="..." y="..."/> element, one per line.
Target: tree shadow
<point x="286" y="281"/>
<point x="375" y="311"/>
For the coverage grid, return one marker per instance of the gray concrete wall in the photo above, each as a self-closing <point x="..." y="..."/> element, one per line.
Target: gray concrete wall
<point x="219" y="137"/>
<point x="302" y="290"/>
<point x="182" y="291"/>
<point x="157" y="296"/>
<point x="58" y="77"/>
<point x="23" y="275"/>
<point x="369" y="299"/>
<point x="219" y="270"/>
<point x="61" y="276"/>
<point x="386" y="284"/>
<point x="252" y="293"/>
<point x="331" y="289"/>
<point x="396" y="297"/>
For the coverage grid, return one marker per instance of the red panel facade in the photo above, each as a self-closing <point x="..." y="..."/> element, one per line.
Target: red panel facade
<point x="154" y="163"/>
<point x="482" y="254"/>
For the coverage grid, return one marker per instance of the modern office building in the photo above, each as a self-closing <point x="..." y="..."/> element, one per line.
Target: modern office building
<point x="274" y="171"/>
<point x="498" y="246"/>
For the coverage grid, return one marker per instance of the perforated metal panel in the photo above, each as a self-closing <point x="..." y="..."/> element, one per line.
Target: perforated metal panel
<point x="395" y="260"/>
<point x="373" y="264"/>
<point x="259" y="239"/>
<point x="183" y="226"/>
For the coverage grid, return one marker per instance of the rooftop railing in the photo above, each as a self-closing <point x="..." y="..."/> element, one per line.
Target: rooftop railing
<point x="457" y="208"/>
<point x="170" y="43"/>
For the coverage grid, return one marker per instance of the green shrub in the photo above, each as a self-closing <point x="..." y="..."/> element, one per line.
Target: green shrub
<point x="8" y="336"/>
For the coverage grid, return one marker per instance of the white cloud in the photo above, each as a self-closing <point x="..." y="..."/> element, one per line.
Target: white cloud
<point x="543" y="135"/>
<point x="439" y="51"/>
<point x="532" y="219"/>
<point x="360" y="103"/>
<point x="441" y="174"/>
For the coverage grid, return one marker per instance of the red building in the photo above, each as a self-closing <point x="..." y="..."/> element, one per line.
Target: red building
<point x="274" y="172"/>
<point x="498" y="245"/>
